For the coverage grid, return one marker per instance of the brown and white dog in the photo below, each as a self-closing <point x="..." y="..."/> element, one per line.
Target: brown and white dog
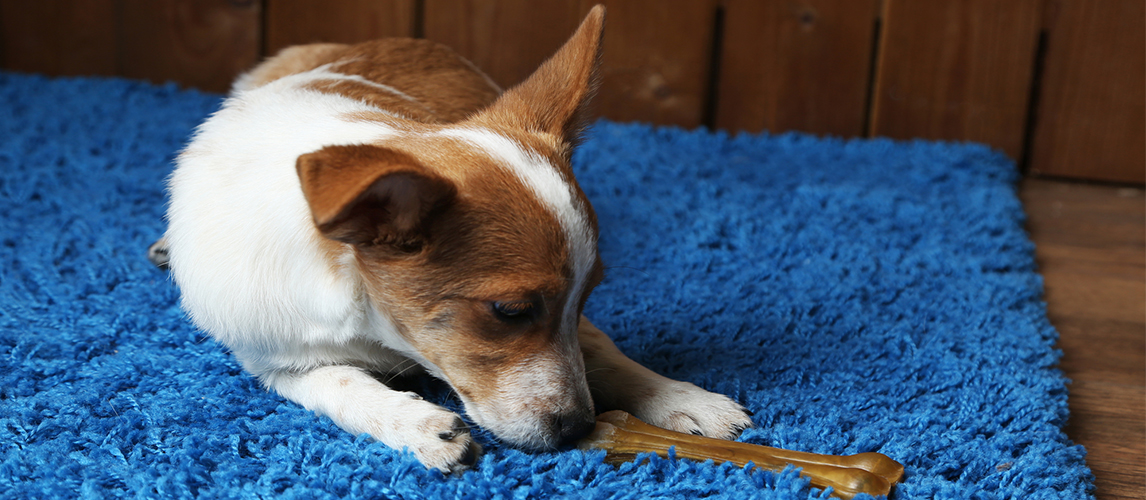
<point x="363" y="209"/>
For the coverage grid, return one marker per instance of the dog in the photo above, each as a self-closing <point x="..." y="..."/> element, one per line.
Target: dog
<point x="353" y="211"/>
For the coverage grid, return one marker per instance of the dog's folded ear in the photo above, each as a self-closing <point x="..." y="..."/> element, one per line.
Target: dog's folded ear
<point x="555" y="98"/>
<point x="366" y="195"/>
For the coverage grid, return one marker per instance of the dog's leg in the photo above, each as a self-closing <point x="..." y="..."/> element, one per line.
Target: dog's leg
<point x="619" y="383"/>
<point x="361" y="404"/>
<point x="157" y="253"/>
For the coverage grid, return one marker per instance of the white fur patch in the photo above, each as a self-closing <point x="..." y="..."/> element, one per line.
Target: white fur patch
<point x="243" y="246"/>
<point x="556" y="194"/>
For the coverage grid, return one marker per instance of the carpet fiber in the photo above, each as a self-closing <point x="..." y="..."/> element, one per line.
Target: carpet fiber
<point x="862" y="295"/>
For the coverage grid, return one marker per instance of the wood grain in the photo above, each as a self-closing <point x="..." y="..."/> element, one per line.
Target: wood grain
<point x="657" y="61"/>
<point x="959" y="70"/>
<point x="507" y="39"/>
<point x="956" y="70"/>
<point x="198" y="43"/>
<point x="1091" y="362"/>
<point x="796" y="65"/>
<point x="59" y="37"/>
<point x="1091" y="114"/>
<point x="294" y="22"/>
<point x="1091" y="249"/>
<point x="1121" y="297"/>
<point x="1107" y="419"/>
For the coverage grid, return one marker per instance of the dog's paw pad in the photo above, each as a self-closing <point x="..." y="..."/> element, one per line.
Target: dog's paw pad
<point x="444" y="443"/>
<point x="459" y="454"/>
<point x="740" y="427"/>
<point x="157" y="254"/>
<point x="469" y="458"/>
<point x="459" y="427"/>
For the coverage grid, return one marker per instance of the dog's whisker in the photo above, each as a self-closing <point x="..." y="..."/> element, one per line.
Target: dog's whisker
<point x="602" y="389"/>
<point x="593" y="392"/>
<point x="601" y="369"/>
<point x="601" y="386"/>
<point x="409" y="365"/>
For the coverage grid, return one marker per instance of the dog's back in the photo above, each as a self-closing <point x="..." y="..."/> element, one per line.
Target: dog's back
<point x="418" y="79"/>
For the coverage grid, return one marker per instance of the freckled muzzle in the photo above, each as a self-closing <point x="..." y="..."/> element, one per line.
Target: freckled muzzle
<point x="536" y="407"/>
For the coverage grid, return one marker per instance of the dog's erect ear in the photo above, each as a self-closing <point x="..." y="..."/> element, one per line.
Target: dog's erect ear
<point x="555" y="97"/>
<point x="371" y="195"/>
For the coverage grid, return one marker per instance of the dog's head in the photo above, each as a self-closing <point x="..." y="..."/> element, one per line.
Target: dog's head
<point x="476" y="241"/>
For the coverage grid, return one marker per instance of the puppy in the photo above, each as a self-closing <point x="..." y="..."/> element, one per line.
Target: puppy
<point x="367" y="209"/>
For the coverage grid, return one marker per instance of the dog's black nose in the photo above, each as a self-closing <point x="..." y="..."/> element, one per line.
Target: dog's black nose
<point x="573" y="426"/>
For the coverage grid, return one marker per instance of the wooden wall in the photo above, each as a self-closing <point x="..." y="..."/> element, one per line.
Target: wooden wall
<point x="1059" y="85"/>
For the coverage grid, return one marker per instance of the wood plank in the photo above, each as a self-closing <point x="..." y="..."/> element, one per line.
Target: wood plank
<point x="1084" y="216"/>
<point x="1091" y="114"/>
<point x="1107" y="420"/>
<point x="197" y="43"/>
<point x="1090" y="361"/>
<point x="1090" y="247"/>
<point x="657" y="60"/>
<point x="294" y="22"/>
<point x="1081" y="295"/>
<point x="507" y="39"/>
<point x="956" y="70"/>
<point x="59" y="37"/>
<point x="657" y="53"/>
<point x="1118" y="263"/>
<point x="801" y="65"/>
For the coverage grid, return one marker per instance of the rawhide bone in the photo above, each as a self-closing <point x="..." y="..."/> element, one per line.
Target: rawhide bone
<point x="623" y="436"/>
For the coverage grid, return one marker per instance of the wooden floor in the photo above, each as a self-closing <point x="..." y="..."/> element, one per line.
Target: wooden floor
<point x="1091" y="247"/>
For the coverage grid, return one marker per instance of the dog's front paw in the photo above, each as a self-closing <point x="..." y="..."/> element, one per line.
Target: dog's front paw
<point x="683" y="407"/>
<point x="441" y="440"/>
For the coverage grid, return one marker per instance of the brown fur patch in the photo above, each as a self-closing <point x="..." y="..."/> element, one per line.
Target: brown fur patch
<point x="368" y="194"/>
<point x="565" y="84"/>
<point x="431" y="73"/>
<point x="445" y="87"/>
<point x="493" y="243"/>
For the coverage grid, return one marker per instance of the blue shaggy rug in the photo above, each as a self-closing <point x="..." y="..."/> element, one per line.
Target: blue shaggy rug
<point x="862" y="295"/>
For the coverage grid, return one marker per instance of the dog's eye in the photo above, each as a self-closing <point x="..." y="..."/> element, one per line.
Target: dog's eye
<point x="511" y="311"/>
